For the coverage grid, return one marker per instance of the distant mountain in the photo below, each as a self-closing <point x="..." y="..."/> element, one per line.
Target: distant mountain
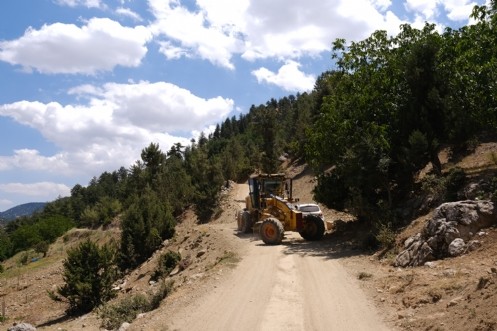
<point x="25" y="209"/>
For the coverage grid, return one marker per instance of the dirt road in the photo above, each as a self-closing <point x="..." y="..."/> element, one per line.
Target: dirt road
<point x="279" y="288"/>
<point x="293" y="286"/>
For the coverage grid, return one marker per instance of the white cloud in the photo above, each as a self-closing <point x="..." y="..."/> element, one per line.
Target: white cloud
<point x="426" y="8"/>
<point x="100" y="45"/>
<point x="281" y="29"/>
<point x="458" y="10"/>
<point x="84" y="3"/>
<point x="289" y="77"/>
<point x="382" y="5"/>
<point x="294" y="29"/>
<point x="195" y="33"/>
<point x="257" y="29"/>
<point x="39" y="190"/>
<point x="5" y="204"/>
<point x="129" y="13"/>
<point x="108" y="132"/>
<point x="31" y="160"/>
<point x="172" y="52"/>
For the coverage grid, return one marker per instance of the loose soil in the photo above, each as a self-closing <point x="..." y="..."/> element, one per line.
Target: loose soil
<point x="232" y="281"/>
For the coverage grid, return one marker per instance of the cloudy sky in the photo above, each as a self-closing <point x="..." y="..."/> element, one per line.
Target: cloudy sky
<point x="87" y="84"/>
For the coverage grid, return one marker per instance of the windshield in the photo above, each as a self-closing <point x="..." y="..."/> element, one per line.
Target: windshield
<point x="309" y="209"/>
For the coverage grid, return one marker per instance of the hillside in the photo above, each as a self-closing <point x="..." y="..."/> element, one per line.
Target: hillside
<point x="451" y="294"/>
<point x="25" y="209"/>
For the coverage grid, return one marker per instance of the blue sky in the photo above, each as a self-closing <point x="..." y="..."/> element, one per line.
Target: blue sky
<point x="87" y="84"/>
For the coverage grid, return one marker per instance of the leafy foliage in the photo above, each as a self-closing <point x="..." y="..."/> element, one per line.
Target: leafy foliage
<point x="28" y="233"/>
<point x="389" y="106"/>
<point x="126" y="310"/>
<point x="146" y="223"/>
<point x="166" y="264"/>
<point x="89" y="272"/>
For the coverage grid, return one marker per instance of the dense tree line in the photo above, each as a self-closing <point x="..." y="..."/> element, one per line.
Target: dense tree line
<point x="393" y="102"/>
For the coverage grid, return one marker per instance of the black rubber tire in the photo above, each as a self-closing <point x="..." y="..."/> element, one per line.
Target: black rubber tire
<point x="313" y="228"/>
<point x="239" y="220"/>
<point x="246" y="222"/>
<point x="271" y="231"/>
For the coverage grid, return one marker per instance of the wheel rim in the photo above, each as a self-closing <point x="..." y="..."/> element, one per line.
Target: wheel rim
<point x="269" y="232"/>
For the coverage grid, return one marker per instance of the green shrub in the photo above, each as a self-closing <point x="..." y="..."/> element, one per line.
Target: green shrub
<point x="42" y="247"/>
<point x="146" y="223"/>
<point x="89" y="272"/>
<point x="454" y="181"/>
<point x="126" y="310"/>
<point x="166" y="264"/>
<point x="24" y="258"/>
<point x="162" y="292"/>
<point x="445" y="188"/>
<point x="386" y="236"/>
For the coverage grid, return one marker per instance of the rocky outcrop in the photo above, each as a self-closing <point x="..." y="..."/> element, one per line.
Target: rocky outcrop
<point x="22" y="327"/>
<point x="450" y="232"/>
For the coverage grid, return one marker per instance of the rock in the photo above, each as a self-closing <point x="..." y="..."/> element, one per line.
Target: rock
<point x="202" y="252"/>
<point x="124" y="326"/>
<point x="454" y="302"/>
<point x="403" y="259"/>
<point x="431" y="264"/>
<point x="473" y="245"/>
<point x="445" y="234"/>
<point x="175" y="271"/>
<point x="22" y="327"/>
<point x="457" y="247"/>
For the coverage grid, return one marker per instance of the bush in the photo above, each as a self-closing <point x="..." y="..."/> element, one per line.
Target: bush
<point x="89" y="272"/>
<point x="454" y="182"/>
<point x="24" y="258"/>
<point x="385" y="236"/>
<point x="166" y="264"/>
<point x="127" y="309"/>
<point x="42" y="247"/>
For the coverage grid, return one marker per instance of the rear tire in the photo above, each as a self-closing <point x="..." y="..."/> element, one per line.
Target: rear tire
<point x="271" y="231"/>
<point x="246" y="222"/>
<point x="239" y="220"/>
<point x="313" y="228"/>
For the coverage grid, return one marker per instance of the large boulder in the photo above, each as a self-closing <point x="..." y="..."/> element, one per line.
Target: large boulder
<point x="448" y="232"/>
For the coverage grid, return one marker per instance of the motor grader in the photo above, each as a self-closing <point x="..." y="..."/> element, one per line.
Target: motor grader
<point x="269" y="211"/>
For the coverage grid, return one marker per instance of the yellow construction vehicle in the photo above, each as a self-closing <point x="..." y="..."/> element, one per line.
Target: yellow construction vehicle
<point x="269" y="211"/>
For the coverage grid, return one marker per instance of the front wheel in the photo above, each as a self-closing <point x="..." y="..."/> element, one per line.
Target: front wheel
<point x="313" y="228"/>
<point x="271" y="231"/>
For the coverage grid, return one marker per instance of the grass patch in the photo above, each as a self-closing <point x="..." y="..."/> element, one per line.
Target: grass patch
<point x="228" y="258"/>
